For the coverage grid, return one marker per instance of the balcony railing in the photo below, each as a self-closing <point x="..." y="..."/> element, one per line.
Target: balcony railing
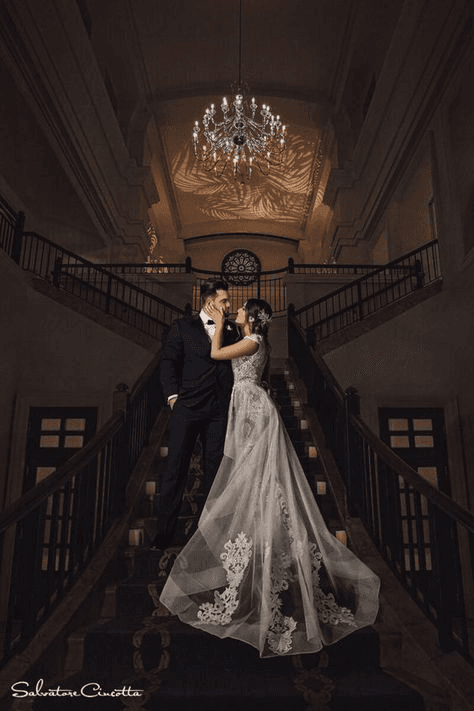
<point x="330" y="269"/>
<point x="372" y="287"/>
<point x="269" y="285"/>
<point x="50" y="534"/>
<point x="90" y="282"/>
<point x="363" y="297"/>
<point x="418" y="530"/>
<point x="152" y="268"/>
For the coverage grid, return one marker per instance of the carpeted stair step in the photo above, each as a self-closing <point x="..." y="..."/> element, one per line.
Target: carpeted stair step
<point x="373" y="691"/>
<point x="202" y="671"/>
<point x="302" y="442"/>
<point x="152" y="564"/>
<point x="111" y="641"/>
<point x="132" y="595"/>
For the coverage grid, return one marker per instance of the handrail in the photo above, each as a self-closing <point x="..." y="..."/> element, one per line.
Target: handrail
<point x="382" y="449"/>
<point x="7" y="210"/>
<point x="329" y="268"/>
<point x="95" y="285"/>
<point x="9" y="222"/>
<point x="360" y="298"/>
<point x="41" y="491"/>
<point x="416" y="527"/>
<point x="214" y="272"/>
<point x="49" y="535"/>
<point x="437" y="497"/>
<point x="290" y="268"/>
<point x="81" y="262"/>
<point x="270" y="285"/>
<point x="44" y="488"/>
<point x="379" y="270"/>
<point x="144" y="267"/>
<point x="79" y="276"/>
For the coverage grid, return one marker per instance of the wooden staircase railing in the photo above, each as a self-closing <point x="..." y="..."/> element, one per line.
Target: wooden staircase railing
<point x="370" y="293"/>
<point x="425" y="537"/>
<point x="50" y="535"/>
<point x="90" y="282"/>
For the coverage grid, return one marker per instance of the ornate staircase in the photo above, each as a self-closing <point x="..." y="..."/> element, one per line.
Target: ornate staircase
<point x="136" y="644"/>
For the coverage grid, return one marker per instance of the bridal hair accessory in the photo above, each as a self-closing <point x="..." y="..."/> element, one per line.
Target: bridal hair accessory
<point x="262" y="316"/>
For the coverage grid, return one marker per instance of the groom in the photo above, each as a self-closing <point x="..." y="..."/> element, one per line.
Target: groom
<point x="198" y="390"/>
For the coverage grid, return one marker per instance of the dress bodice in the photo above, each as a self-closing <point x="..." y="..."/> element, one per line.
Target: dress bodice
<point x="250" y="367"/>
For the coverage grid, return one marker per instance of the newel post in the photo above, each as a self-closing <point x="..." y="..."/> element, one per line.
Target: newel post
<point x="120" y="399"/>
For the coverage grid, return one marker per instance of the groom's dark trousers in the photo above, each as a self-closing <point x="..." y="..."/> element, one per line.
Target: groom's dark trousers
<point x="204" y="387"/>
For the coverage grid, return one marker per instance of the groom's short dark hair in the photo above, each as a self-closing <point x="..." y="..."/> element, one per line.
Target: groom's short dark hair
<point x="211" y="287"/>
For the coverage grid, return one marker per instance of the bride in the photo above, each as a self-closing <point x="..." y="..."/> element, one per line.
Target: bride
<point x="262" y="567"/>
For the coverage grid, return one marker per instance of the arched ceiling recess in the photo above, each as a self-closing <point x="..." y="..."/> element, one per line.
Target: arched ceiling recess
<point x="313" y="62"/>
<point x="206" y="203"/>
<point x="208" y="251"/>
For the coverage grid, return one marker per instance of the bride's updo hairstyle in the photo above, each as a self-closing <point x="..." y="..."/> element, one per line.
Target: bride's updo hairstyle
<point x="259" y="314"/>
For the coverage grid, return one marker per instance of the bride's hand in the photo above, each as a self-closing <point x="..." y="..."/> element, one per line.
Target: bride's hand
<point x="217" y="315"/>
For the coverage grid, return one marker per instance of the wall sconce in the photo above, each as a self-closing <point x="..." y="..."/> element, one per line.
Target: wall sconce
<point x="150" y="489"/>
<point x="135" y="536"/>
<point x="321" y="488"/>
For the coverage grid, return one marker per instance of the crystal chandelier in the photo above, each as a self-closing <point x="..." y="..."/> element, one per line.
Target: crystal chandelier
<point x="241" y="141"/>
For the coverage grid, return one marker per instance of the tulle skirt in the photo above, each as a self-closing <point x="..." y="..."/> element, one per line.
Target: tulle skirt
<point x="262" y="566"/>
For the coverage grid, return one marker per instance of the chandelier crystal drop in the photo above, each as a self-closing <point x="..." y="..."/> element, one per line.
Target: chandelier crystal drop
<point x="244" y="139"/>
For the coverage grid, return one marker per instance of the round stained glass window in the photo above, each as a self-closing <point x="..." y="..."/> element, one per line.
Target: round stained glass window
<point x="241" y="267"/>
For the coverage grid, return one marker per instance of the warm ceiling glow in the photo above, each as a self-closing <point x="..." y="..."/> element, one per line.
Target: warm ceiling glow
<point x="282" y="195"/>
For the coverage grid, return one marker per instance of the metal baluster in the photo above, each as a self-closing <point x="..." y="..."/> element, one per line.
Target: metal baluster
<point x="108" y="295"/>
<point x="17" y="245"/>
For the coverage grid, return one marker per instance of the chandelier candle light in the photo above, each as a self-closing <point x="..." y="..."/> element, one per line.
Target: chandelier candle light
<point x="242" y="139"/>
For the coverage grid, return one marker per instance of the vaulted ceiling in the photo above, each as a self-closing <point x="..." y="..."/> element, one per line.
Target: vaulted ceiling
<point x="313" y="61"/>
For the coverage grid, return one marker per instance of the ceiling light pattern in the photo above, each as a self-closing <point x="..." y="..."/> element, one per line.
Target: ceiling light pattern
<point x="281" y="196"/>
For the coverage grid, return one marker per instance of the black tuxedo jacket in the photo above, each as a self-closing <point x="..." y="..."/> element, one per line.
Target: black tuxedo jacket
<point x="188" y="369"/>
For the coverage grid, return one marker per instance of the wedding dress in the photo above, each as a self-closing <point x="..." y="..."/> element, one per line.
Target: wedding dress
<point x="262" y="566"/>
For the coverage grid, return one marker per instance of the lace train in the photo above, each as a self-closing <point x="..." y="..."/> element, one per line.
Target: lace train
<point x="262" y="566"/>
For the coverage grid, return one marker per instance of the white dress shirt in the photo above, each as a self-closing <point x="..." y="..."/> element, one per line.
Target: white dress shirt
<point x="209" y="327"/>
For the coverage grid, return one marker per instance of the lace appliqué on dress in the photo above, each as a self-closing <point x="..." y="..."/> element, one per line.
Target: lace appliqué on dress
<point x="329" y="612"/>
<point x="250" y="367"/>
<point x="235" y="560"/>
<point x="281" y="628"/>
<point x="285" y="514"/>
